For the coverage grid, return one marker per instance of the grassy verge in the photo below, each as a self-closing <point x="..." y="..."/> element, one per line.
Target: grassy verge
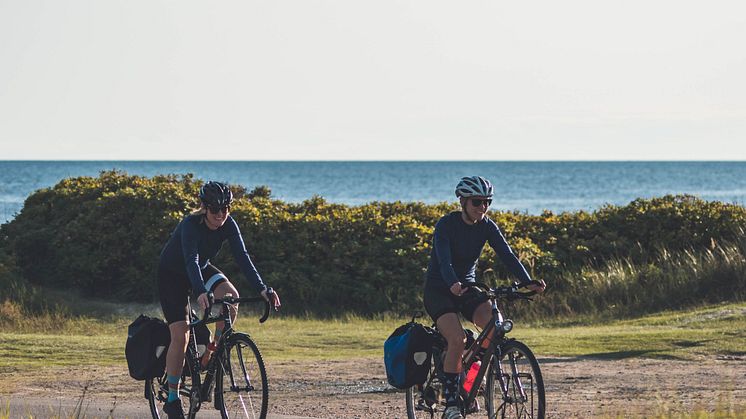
<point x="50" y="341"/>
<point x="714" y="331"/>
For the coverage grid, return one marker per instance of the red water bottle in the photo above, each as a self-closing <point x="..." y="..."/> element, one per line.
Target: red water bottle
<point x="208" y="353"/>
<point x="472" y="375"/>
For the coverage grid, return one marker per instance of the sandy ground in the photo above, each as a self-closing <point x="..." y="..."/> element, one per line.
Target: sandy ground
<point x="576" y="387"/>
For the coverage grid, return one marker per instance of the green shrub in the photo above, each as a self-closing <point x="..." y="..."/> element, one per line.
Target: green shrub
<point x="102" y="236"/>
<point x="16" y="294"/>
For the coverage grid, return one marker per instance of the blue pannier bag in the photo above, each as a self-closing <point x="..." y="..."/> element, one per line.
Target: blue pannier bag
<point x="407" y="353"/>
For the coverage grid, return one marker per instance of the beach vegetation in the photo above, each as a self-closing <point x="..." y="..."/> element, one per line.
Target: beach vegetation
<point x="102" y="236"/>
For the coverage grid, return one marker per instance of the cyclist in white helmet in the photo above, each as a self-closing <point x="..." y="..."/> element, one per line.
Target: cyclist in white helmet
<point x="457" y="243"/>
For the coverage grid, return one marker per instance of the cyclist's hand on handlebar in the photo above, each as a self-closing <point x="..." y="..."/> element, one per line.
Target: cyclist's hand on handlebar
<point x="458" y="289"/>
<point x="274" y="299"/>
<point x="204" y="301"/>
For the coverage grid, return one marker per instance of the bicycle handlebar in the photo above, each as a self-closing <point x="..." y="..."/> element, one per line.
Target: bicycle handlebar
<point x="510" y="292"/>
<point x="229" y="299"/>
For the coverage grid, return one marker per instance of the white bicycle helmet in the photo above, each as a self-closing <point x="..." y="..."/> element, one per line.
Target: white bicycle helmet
<point x="474" y="186"/>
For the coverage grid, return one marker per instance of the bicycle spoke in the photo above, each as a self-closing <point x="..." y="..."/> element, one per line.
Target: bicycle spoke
<point x="243" y="406"/>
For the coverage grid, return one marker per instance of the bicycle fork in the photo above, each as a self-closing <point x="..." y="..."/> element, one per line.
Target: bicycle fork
<point x="245" y="375"/>
<point x="514" y="376"/>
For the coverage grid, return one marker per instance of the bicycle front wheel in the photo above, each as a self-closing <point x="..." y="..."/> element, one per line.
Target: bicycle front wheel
<point x="515" y="388"/>
<point x="241" y="388"/>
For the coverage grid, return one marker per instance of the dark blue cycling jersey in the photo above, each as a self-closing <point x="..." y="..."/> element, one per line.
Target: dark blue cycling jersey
<point x="457" y="246"/>
<point x="193" y="244"/>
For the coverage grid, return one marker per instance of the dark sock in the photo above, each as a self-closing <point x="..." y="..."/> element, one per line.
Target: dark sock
<point x="450" y="388"/>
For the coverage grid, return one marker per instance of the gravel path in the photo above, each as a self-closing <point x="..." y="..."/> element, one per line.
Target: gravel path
<point x="576" y="387"/>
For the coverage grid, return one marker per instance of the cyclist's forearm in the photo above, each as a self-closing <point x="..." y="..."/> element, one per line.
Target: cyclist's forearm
<point x="241" y="255"/>
<point x="195" y="278"/>
<point x="516" y="267"/>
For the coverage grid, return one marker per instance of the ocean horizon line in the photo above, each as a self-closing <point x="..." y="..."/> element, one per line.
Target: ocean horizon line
<point x="364" y="161"/>
<point x="527" y="186"/>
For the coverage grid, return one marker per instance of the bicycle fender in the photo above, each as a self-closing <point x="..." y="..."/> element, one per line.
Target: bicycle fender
<point x="238" y="335"/>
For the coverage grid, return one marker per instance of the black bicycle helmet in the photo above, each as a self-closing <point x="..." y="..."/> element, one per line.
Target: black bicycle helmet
<point x="474" y="186"/>
<point x="215" y="194"/>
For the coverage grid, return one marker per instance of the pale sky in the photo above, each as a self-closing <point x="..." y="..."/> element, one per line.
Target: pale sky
<point x="373" y="80"/>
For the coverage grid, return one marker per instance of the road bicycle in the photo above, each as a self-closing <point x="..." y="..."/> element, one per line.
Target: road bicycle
<point x="508" y="376"/>
<point x="235" y="374"/>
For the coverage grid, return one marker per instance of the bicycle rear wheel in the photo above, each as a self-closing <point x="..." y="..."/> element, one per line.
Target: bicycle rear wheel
<point x="515" y="387"/>
<point x="241" y="388"/>
<point x="156" y="391"/>
<point x="424" y="401"/>
<point x="152" y="393"/>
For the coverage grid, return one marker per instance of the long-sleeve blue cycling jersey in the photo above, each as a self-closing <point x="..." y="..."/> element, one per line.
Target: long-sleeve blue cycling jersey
<point x="193" y="244"/>
<point x="457" y="246"/>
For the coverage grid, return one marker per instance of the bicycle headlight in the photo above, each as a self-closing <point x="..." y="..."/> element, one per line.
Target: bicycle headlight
<point x="507" y="326"/>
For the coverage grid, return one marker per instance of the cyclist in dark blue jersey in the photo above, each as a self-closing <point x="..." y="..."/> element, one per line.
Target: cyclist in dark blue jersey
<point x="185" y="266"/>
<point x="458" y="241"/>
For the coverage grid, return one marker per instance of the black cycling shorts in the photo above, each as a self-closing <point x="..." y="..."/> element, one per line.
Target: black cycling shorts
<point x="439" y="301"/>
<point x="174" y="290"/>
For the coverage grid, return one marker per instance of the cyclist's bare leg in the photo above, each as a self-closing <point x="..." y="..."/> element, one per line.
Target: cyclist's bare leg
<point x="220" y="291"/>
<point x="450" y="327"/>
<point x="482" y="315"/>
<point x="177" y="347"/>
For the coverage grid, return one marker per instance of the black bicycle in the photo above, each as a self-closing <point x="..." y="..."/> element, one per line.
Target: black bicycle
<point x="235" y="374"/>
<point x="508" y="375"/>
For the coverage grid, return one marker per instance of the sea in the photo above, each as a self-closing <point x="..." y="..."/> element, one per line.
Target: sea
<point x="524" y="186"/>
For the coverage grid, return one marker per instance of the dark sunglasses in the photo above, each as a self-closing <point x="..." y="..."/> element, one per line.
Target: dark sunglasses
<point x="219" y="209"/>
<point x="479" y="202"/>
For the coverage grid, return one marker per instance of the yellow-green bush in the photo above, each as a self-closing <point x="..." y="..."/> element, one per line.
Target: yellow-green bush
<point x="102" y="236"/>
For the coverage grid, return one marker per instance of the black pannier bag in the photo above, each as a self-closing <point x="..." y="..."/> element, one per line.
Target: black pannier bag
<point x="147" y="344"/>
<point x="407" y="353"/>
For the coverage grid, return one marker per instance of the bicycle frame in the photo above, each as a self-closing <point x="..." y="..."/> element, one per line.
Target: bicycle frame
<point x="495" y="333"/>
<point x="204" y="387"/>
<point x="505" y="382"/>
<point x="197" y="387"/>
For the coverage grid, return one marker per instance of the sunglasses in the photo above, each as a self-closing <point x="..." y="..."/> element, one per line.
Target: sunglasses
<point x="479" y="202"/>
<point x="219" y="209"/>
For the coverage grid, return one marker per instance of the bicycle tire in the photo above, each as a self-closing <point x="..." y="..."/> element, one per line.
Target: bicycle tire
<point x="240" y="372"/>
<point x="156" y="391"/>
<point x="423" y="401"/>
<point x="517" y="367"/>
<point x="190" y="385"/>
<point x="151" y="393"/>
